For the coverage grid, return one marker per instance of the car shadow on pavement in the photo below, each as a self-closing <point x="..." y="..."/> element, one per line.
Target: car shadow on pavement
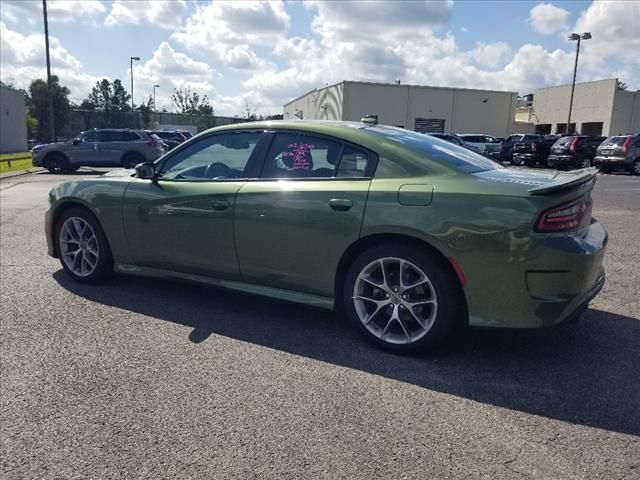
<point x="586" y="373"/>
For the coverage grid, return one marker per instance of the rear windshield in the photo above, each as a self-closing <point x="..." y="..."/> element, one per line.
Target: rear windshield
<point x="561" y="142"/>
<point x="449" y="153"/>
<point x="615" y="140"/>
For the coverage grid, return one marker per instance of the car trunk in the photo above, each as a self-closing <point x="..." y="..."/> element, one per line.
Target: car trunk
<point x="564" y="197"/>
<point x="612" y="147"/>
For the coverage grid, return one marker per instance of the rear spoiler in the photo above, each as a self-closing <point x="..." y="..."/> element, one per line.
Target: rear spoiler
<point x="568" y="181"/>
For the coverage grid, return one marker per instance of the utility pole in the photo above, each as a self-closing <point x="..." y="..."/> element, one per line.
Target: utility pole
<point x="52" y="127"/>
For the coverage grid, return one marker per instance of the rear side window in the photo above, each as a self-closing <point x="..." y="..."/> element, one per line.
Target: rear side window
<point x="130" y="136"/>
<point x="458" y="157"/>
<point x="615" y="141"/>
<point x="307" y="156"/>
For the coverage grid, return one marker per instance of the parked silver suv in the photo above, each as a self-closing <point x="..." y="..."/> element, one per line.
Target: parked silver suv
<point x="98" y="148"/>
<point x="619" y="152"/>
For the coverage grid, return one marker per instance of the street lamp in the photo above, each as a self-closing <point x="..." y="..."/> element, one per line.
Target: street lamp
<point x="575" y="37"/>
<point x="154" y="96"/>
<point x="137" y="59"/>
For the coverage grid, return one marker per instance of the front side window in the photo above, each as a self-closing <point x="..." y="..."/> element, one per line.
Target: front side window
<point x="217" y="157"/>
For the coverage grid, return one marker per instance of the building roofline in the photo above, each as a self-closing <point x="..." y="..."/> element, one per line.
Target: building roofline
<point x="14" y="89"/>
<point x="383" y="84"/>
<point x="314" y="90"/>
<point x="581" y="83"/>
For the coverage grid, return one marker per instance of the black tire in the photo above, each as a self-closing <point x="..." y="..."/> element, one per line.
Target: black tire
<point x="584" y="162"/>
<point x="130" y="160"/>
<point x="104" y="263"/>
<point x="450" y="313"/>
<point x="56" y="163"/>
<point x="635" y="169"/>
<point x="72" y="169"/>
<point x="516" y="160"/>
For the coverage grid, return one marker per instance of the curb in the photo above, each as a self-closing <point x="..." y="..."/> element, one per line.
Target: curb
<point x="21" y="172"/>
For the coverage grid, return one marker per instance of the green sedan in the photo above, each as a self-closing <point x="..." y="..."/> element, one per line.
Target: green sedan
<point x="410" y="236"/>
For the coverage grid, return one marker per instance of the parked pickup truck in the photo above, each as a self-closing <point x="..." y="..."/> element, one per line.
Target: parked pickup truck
<point x="533" y="152"/>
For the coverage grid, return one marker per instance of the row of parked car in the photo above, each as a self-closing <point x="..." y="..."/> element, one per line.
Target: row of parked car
<point x="563" y="152"/>
<point x="108" y="147"/>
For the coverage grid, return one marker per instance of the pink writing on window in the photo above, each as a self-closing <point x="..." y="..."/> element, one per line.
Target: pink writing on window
<point x="298" y="157"/>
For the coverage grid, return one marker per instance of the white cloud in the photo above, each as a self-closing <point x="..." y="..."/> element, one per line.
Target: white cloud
<point x="167" y="14"/>
<point x="615" y="27"/>
<point x="63" y="11"/>
<point x="491" y="54"/>
<point x="547" y="18"/>
<point x="22" y="59"/>
<point x="227" y="30"/>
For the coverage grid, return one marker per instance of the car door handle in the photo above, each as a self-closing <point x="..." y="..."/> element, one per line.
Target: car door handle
<point x="340" y="204"/>
<point x="219" y="205"/>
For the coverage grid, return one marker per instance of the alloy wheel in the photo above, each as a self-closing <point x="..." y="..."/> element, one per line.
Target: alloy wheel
<point x="395" y="300"/>
<point x="636" y="167"/>
<point x="78" y="246"/>
<point x="585" y="163"/>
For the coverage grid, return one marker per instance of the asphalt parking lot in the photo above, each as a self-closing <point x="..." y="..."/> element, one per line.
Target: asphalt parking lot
<point x="148" y="379"/>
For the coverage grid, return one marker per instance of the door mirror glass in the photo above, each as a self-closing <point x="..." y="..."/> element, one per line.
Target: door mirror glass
<point x="146" y="171"/>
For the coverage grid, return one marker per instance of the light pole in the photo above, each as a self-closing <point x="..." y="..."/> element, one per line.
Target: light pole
<point x="154" y="96"/>
<point x="52" y="127"/>
<point x="155" y="114"/>
<point x="137" y="59"/>
<point x="578" y="37"/>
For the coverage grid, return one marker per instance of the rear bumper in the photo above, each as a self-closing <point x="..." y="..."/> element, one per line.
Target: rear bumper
<point x="547" y="283"/>
<point x="554" y="160"/>
<point x="612" y="162"/>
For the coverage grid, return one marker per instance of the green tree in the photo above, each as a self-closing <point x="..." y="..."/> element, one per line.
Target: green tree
<point x="38" y="103"/>
<point x="187" y="101"/>
<point x="146" y="109"/>
<point x="32" y="125"/>
<point x="108" y="97"/>
<point x="277" y="116"/>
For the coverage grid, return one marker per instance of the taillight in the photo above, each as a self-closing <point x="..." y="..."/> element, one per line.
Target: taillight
<point x="566" y="216"/>
<point x="625" y="145"/>
<point x="572" y="147"/>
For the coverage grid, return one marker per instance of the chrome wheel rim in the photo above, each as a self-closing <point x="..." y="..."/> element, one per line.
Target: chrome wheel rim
<point x="636" y="167"/>
<point x="586" y="163"/>
<point x="395" y="300"/>
<point x="78" y="246"/>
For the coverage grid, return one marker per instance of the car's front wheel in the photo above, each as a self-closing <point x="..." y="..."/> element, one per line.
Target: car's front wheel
<point x="635" y="170"/>
<point x="56" y="163"/>
<point x="403" y="299"/>
<point x="82" y="246"/>
<point x="585" y="162"/>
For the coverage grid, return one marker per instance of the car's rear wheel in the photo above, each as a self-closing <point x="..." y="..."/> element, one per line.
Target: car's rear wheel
<point x="516" y="160"/>
<point x="636" y="167"/>
<point x="56" y="163"/>
<point x="131" y="160"/>
<point x="82" y="246"/>
<point x="402" y="298"/>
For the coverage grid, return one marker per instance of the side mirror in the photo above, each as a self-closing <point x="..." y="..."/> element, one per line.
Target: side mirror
<point x="146" y="171"/>
<point x="76" y="141"/>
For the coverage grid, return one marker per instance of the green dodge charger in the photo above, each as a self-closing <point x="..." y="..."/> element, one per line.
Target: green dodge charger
<point x="408" y="235"/>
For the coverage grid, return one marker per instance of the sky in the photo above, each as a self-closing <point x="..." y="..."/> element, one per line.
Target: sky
<point x="260" y="55"/>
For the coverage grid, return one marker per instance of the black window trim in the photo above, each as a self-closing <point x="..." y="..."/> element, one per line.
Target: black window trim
<point x="369" y="172"/>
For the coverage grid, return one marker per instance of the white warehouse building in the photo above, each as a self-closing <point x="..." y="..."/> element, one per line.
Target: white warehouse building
<point x="419" y="108"/>
<point x="599" y="108"/>
<point x="13" y="120"/>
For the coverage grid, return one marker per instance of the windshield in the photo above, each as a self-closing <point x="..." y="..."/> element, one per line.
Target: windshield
<point x="458" y="157"/>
